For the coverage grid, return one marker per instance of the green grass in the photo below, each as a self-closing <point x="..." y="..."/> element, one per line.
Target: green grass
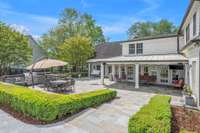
<point x="48" y="107"/>
<point x="155" y="117"/>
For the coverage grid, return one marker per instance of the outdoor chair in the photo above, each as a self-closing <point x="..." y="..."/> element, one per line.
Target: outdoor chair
<point x="178" y="83"/>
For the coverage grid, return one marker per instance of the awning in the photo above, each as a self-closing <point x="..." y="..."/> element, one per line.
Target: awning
<point x="178" y="58"/>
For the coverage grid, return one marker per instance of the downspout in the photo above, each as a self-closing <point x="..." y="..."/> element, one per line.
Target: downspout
<point x="199" y="77"/>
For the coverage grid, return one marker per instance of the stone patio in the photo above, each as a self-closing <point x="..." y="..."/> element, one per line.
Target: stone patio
<point x="110" y="117"/>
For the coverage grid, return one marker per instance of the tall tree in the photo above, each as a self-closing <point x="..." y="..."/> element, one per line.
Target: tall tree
<point x="70" y="24"/>
<point x="142" y="29"/>
<point x="76" y="50"/>
<point x="14" y="48"/>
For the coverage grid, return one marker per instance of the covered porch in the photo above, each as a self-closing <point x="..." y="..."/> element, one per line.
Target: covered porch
<point x="155" y="69"/>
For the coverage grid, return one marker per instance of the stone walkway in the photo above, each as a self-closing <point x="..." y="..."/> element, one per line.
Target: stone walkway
<point x="110" y="117"/>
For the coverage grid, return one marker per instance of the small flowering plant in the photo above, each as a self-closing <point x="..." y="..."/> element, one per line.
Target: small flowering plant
<point x="187" y="89"/>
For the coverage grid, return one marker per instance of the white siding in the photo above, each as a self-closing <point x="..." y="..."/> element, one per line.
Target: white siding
<point x="154" y="46"/>
<point x="189" y="20"/>
<point x="181" y="42"/>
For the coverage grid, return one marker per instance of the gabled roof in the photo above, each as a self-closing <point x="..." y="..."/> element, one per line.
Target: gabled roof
<point x="152" y="37"/>
<point x="186" y="14"/>
<point x="113" y="49"/>
<point x="108" y="50"/>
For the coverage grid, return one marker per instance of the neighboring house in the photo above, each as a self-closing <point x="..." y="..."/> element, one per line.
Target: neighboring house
<point x="37" y="52"/>
<point x="190" y="29"/>
<point x="164" y="59"/>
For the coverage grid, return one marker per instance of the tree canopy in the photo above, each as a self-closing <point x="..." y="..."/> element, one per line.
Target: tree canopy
<point x="142" y="29"/>
<point x="71" y="23"/>
<point x="14" y="48"/>
<point x="76" y="50"/>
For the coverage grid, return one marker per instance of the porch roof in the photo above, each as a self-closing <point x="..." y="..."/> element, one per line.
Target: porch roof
<point x="175" y="58"/>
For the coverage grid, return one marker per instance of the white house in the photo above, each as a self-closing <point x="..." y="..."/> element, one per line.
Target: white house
<point x="164" y="59"/>
<point x="37" y="52"/>
<point x="190" y="29"/>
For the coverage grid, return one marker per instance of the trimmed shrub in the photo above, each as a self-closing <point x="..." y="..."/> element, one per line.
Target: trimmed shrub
<point x="155" y="117"/>
<point x="48" y="107"/>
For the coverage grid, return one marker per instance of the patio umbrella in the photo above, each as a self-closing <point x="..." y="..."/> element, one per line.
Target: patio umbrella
<point x="46" y="63"/>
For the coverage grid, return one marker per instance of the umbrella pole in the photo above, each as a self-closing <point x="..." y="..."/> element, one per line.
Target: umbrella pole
<point x="32" y="79"/>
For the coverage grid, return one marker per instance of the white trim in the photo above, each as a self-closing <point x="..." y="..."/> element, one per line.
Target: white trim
<point x="137" y="76"/>
<point x="102" y="73"/>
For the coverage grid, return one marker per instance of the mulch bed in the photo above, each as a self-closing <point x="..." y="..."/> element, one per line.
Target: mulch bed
<point x="21" y="116"/>
<point x="184" y="118"/>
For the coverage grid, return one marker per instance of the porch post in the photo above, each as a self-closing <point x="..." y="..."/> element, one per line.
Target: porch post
<point x="126" y="72"/>
<point x="113" y="72"/>
<point x="186" y="74"/>
<point x="136" y="76"/>
<point x="102" y="73"/>
<point x="89" y="70"/>
<point x="120" y="73"/>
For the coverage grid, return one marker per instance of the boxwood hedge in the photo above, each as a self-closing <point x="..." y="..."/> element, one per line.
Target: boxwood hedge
<point x="155" y="117"/>
<point x="48" y="107"/>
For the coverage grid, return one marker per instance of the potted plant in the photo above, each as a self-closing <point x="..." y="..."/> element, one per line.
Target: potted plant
<point x="189" y="98"/>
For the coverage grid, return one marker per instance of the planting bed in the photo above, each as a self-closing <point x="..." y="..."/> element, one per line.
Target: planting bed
<point x="185" y="119"/>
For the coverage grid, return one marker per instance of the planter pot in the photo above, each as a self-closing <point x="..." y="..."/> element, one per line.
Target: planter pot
<point x="189" y="100"/>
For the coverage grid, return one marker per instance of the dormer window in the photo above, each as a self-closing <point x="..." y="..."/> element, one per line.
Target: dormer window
<point x="140" y="48"/>
<point x="131" y="48"/>
<point x="194" y="24"/>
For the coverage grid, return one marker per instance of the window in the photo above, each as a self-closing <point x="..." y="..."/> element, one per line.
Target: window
<point x="188" y="33"/>
<point x="194" y="24"/>
<point x="139" y="48"/>
<point x="98" y="67"/>
<point x="164" y="75"/>
<point x="109" y="69"/>
<point x="146" y="70"/>
<point x="131" y="48"/>
<point x="154" y="73"/>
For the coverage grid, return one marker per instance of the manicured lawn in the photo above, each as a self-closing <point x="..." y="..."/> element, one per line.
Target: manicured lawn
<point x="155" y="117"/>
<point x="48" y="107"/>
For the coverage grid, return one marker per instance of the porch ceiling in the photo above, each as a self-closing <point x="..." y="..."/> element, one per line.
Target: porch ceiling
<point x="144" y="59"/>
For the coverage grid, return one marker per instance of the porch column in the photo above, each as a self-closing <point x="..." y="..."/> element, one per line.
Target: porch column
<point x="126" y="72"/>
<point x="102" y="73"/>
<point x="120" y="72"/>
<point x="89" y="70"/>
<point x="186" y="74"/>
<point x="137" y="76"/>
<point x="113" y="72"/>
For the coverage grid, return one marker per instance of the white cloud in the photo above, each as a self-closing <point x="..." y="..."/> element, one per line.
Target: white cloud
<point x="37" y="37"/>
<point x="26" y="22"/>
<point x="44" y="19"/>
<point x="84" y="3"/>
<point x="120" y="24"/>
<point x="151" y="6"/>
<point x="20" y="28"/>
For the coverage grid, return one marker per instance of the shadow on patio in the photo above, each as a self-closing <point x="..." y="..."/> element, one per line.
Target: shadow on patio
<point x="156" y="89"/>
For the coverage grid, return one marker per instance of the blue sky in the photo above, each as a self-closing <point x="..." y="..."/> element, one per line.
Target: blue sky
<point x="114" y="16"/>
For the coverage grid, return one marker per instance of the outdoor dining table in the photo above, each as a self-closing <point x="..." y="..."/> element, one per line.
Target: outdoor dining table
<point x="59" y="85"/>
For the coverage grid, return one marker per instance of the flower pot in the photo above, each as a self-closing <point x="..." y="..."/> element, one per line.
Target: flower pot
<point x="189" y="100"/>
